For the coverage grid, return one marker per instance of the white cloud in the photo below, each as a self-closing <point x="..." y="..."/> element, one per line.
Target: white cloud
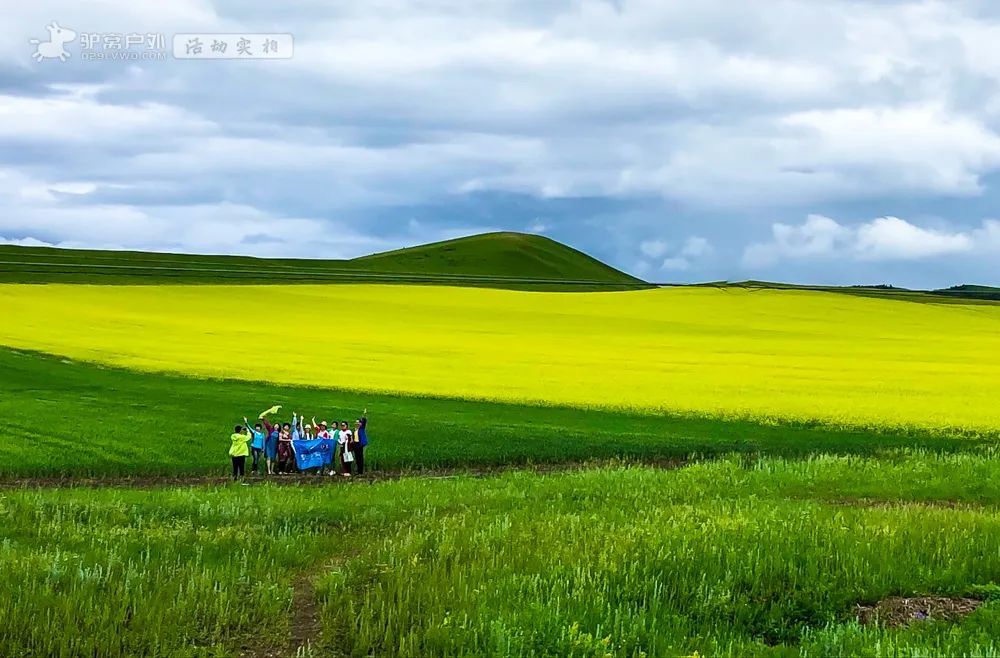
<point x="696" y="247"/>
<point x="881" y="239"/>
<point x="209" y="228"/>
<point x="817" y="236"/>
<point x="653" y="248"/>
<point x="923" y="147"/>
<point x="672" y="257"/>
<point x="74" y="187"/>
<point x="74" y="118"/>
<point x="676" y="263"/>
<point x="36" y="219"/>
<point x="888" y="238"/>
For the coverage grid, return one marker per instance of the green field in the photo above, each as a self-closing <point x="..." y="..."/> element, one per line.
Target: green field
<point x="723" y="558"/>
<point x="704" y="471"/>
<point x="69" y="419"/>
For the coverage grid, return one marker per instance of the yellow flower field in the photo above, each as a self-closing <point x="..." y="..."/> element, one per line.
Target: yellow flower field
<point x="767" y="354"/>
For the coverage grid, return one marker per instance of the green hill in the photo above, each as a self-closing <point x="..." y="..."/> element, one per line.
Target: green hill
<point x="503" y="260"/>
<point x="519" y="255"/>
<point x="969" y="291"/>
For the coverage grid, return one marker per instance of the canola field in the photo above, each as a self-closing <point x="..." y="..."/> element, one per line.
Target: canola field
<point x="767" y="354"/>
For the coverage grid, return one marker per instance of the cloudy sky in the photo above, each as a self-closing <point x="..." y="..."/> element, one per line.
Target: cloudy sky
<point x="796" y="140"/>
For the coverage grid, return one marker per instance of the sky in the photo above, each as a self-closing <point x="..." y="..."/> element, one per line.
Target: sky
<point x="791" y="140"/>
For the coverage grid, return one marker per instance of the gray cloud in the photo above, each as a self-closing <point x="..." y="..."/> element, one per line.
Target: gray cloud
<point x="657" y="122"/>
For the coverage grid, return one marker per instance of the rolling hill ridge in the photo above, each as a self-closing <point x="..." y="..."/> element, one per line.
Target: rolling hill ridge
<point x="502" y="260"/>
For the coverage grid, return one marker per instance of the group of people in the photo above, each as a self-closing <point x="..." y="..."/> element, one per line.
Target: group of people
<point x="299" y="446"/>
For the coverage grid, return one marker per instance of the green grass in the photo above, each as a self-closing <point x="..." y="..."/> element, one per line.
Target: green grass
<point x="72" y="419"/>
<point x="631" y="563"/>
<point x="499" y="260"/>
<point x="726" y="558"/>
<point x="511" y="254"/>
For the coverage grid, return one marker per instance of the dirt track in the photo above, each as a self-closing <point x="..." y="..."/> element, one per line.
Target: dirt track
<point x="154" y="481"/>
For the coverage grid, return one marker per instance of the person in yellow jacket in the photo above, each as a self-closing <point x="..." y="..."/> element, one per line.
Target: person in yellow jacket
<point x="239" y="451"/>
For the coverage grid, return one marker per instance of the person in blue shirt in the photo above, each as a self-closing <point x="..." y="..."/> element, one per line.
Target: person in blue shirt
<point x="256" y="443"/>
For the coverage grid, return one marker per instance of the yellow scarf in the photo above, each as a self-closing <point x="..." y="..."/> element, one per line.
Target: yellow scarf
<point x="272" y="410"/>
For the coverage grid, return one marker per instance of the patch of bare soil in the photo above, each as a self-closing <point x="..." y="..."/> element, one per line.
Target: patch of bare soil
<point x="901" y="611"/>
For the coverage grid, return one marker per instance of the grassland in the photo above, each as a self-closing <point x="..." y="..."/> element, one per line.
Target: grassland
<point x="853" y="436"/>
<point x="766" y="355"/>
<point x="71" y="420"/>
<point x="501" y="260"/>
<point x="725" y="558"/>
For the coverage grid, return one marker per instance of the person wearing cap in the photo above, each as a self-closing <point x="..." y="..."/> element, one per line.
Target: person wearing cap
<point x="320" y="432"/>
<point x="347" y="449"/>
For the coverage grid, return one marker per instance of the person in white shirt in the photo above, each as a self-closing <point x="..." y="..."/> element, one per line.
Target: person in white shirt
<point x="335" y="435"/>
<point x="345" y="439"/>
<point x="321" y="432"/>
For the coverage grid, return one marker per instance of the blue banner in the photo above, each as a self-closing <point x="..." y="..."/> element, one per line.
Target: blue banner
<point x="313" y="453"/>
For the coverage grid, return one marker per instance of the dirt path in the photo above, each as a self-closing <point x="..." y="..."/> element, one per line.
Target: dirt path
<point x="155" y="481"/>
<point x="305" y="624"/>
